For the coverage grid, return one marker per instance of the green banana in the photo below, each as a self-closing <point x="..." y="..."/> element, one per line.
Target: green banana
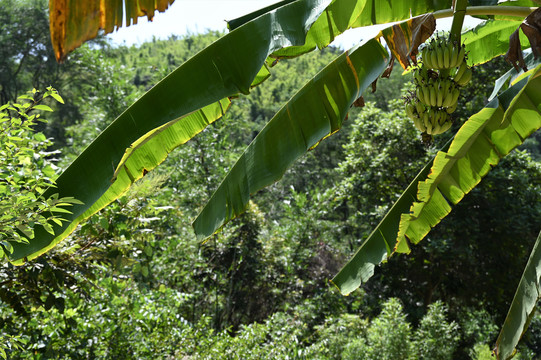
<point x="436" y="96"/>
<point x="436" y="129"/>
<point x="439" y="95"/>
<point x="454" y="56"/>
<point x="435" y="123"/>
<point x="446" y="86"/>
<point x="445" y="126"/>
<point x="456" y="94"/>
<point x="439" y="54"/>
<point x="419" y="93"/>
<point x="426" y="120"/>
<point x="465" y="78"/>
<point x="420" y="108"/>
<point x="434" y="58"/>
<point x="460" y="71"/>
<point x="418" y="122"/>
<point x="426" y="92"/>
<point x="433" y="95"/>
<point x="429" y="128"/>
<point x="444" y="117"/>
<point x="446" y="56"/>
<point x="451" y="109"/>
<point x="460" y="56"/>
<point x="448" y="100"/>
<point x="410" y="111"/>
<point x="426" y="58"/>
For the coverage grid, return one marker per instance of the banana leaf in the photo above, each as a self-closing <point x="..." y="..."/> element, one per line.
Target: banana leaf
<point x="73" y="22"/>
<point x="495" y="33"/>
<point x="235" y="23"/>
<point x="315" y="112"/>
<point x="168" y="115"/>
<point x="347" y="14"/>
<point x="479" y="144"/>
<point x="522" y="307"/>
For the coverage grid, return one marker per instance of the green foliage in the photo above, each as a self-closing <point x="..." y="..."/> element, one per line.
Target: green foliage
<point x="27" y="172"/>
<point x="435" y="338"/>
<point x="478" y="327"/>
<point x="481" y="352"/>
<point x="338" y="337"/>
<point x="276" y="338"/>
<point x="133" y="282"/>
<point x="389" y="336"/>
<point x="9" y="343"/>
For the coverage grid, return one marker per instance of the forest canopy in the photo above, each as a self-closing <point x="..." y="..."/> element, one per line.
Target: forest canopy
<point x="133" y="281"/>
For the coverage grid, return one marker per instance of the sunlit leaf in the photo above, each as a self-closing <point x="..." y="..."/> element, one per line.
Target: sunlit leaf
<point x="495" y="33"/>
<point x="57" y="97"/>
<point x="42" y="107"/>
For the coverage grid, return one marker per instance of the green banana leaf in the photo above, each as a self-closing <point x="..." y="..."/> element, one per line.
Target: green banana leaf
<point x="342" y="15"/>
<point x="523" y="306"/>
<point x="235" y="23"/>
<point x="171" y="113"/>
<point x="347" y="14"/>
<point x="477" y="147"/>
<point x="503" y="122"/>
<point x="493" y="32"/>
<point x="315" y="112"/>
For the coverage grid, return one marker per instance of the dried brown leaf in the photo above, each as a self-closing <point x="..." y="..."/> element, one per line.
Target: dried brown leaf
<point x="389" y="68"/>
<point x="404" y="38"/>
<point x="73" y="22"/>
<point x="374" y="85"/>
<point x="423" y="28"/>
<point x="514" y="54"/>
<point x="359" y="102"/>
<point x="531" y="26"/>
<point x="532" y="29"/>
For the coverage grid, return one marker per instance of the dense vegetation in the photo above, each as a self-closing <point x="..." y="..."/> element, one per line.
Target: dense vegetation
<point x="133" y="281"/>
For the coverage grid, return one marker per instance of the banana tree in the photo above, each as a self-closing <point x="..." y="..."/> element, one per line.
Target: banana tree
<point x="200" y="91"/>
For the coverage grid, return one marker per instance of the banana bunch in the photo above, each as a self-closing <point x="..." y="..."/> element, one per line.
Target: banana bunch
<point x="438" y="80"/>
<point x="439" y="93"/>
<point x="442" y="54"/>
<point x="429" y="120"/>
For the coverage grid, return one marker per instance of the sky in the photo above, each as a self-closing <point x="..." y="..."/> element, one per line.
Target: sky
<point x="198" y="16"/>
